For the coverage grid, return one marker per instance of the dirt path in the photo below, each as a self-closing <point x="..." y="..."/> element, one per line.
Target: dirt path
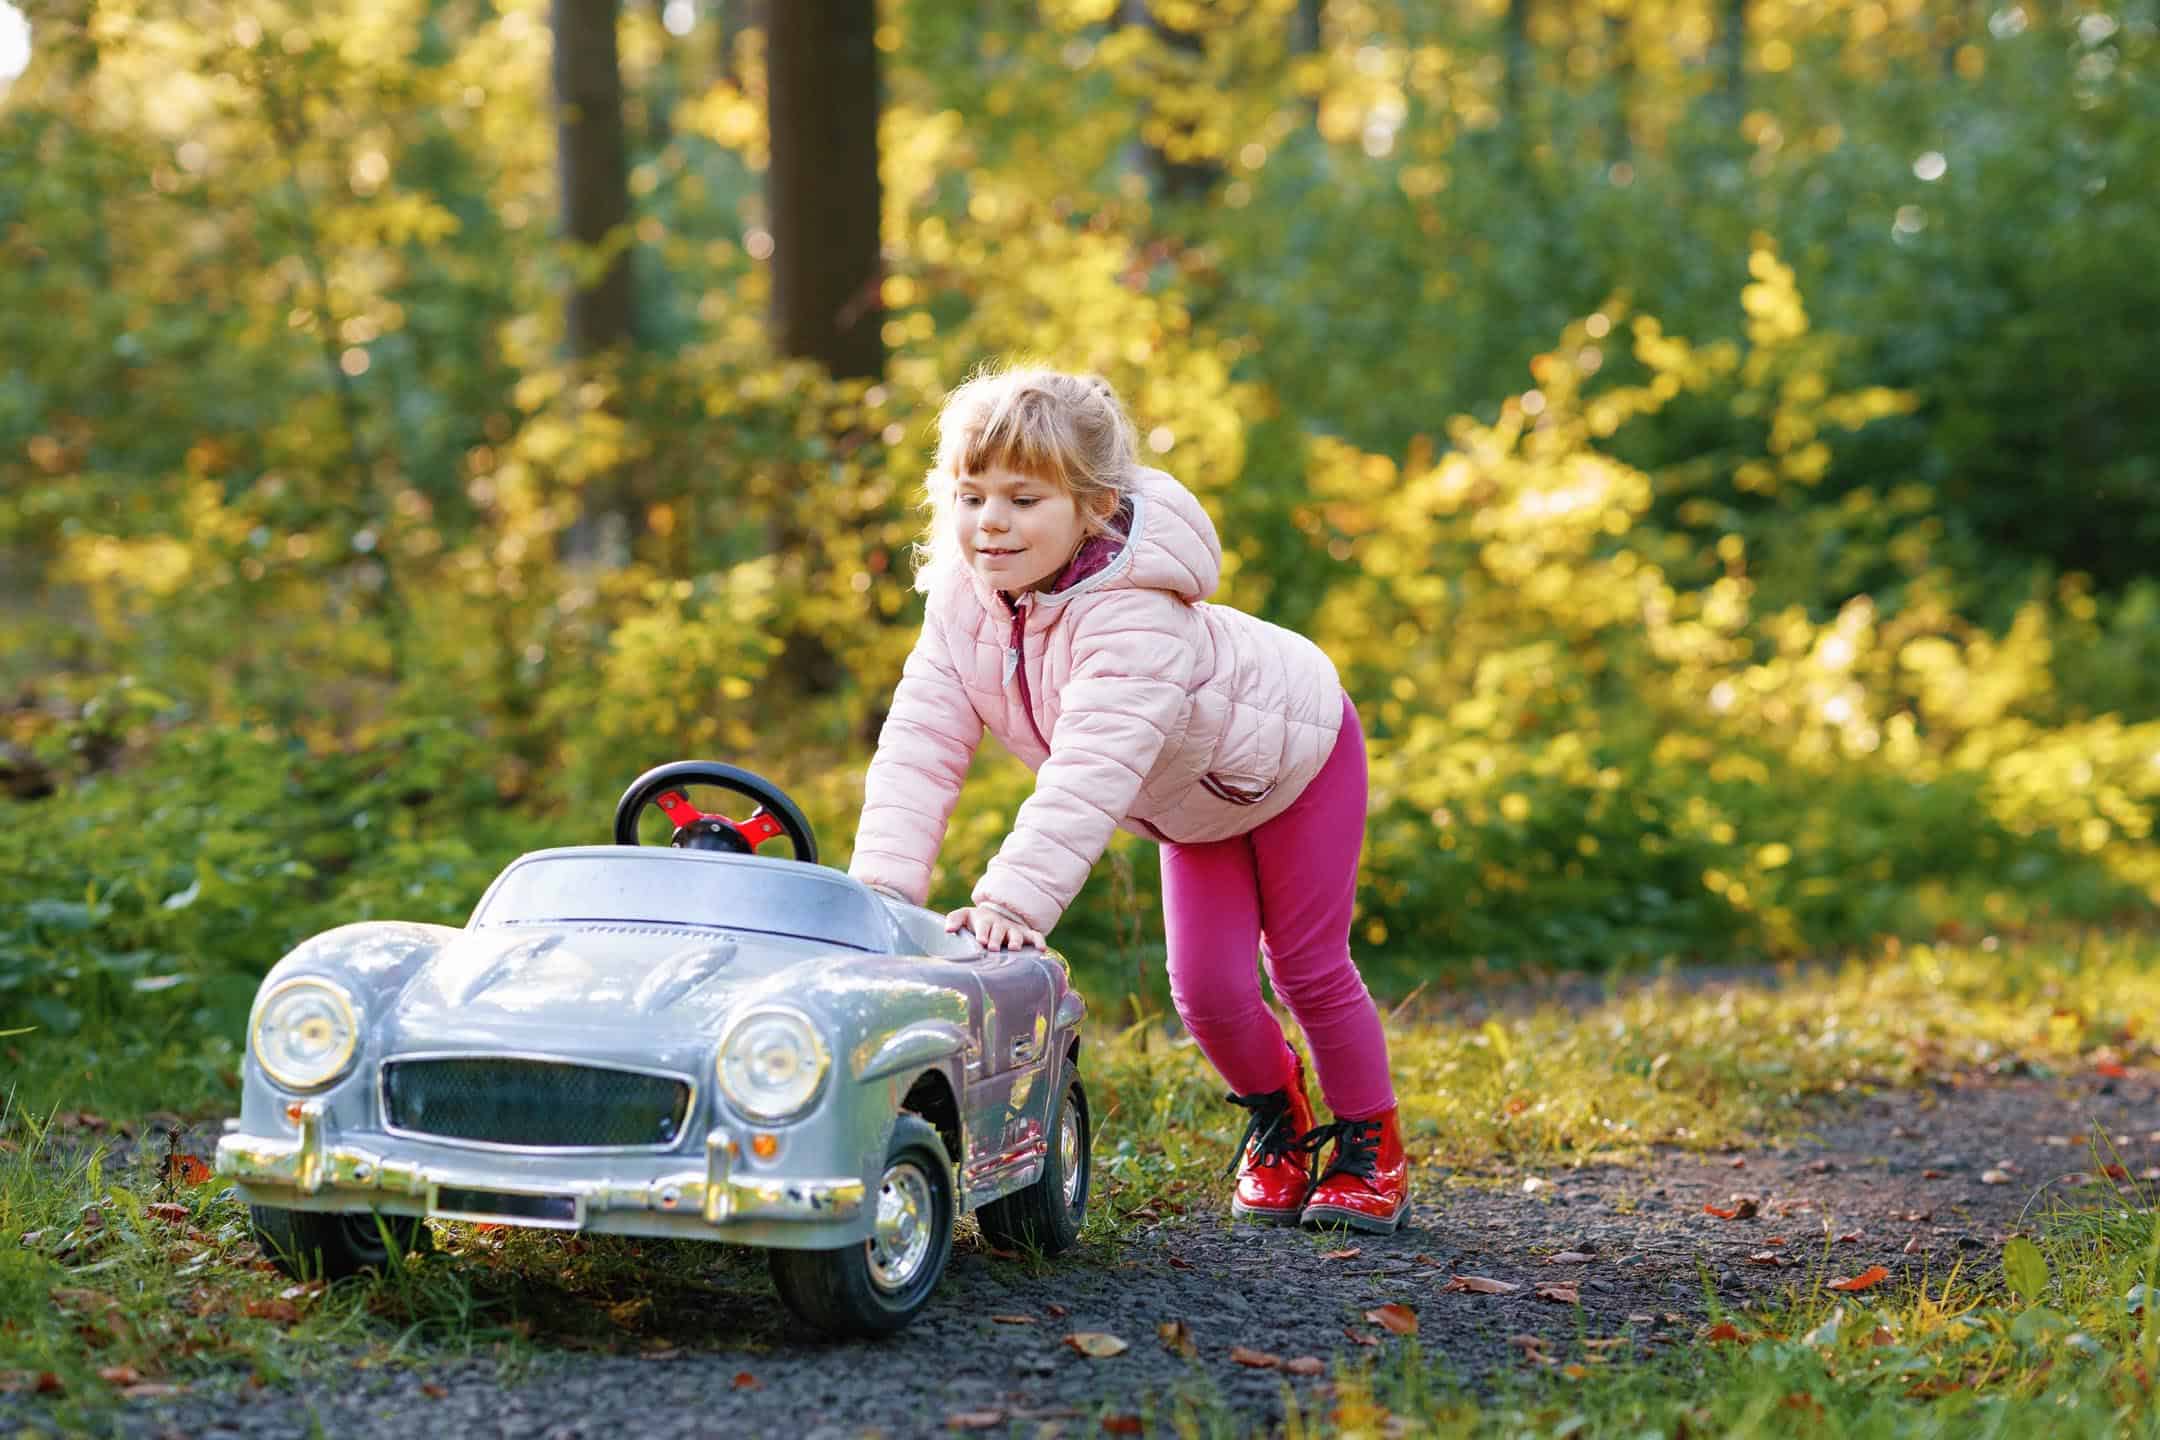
<point x="1908" y="1180"/>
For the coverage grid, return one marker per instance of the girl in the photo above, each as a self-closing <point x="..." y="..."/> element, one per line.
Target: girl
<point x="1067" y="614"/>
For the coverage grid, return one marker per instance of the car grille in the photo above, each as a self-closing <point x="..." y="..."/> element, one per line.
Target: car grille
<point x="505" y="1101"/>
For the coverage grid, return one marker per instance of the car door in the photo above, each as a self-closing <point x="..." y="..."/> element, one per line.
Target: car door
<point x="1006" y="1100"/>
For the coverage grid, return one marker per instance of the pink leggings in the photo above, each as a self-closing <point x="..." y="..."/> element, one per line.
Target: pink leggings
<point x="1285" y="889"/>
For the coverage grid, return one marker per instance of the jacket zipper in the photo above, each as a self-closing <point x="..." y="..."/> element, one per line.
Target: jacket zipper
<point x="1019" y="660"/>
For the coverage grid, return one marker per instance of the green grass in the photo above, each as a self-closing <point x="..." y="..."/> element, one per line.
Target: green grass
<point x="168" y="1294"/>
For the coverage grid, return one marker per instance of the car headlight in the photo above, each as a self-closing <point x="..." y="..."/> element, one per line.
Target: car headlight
<point x="304" y="1034"/>
<point x="772" y="1063"/>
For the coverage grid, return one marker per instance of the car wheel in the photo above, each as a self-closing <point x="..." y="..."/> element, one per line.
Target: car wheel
<point x="311" y="1244"/>
<point x="876" y="1287"/>
<point x="1047" y="1214"/>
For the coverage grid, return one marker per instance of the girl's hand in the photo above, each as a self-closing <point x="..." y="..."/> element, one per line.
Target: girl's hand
<point x="993" y="931"/>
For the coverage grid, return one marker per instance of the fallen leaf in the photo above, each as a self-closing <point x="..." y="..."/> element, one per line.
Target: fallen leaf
<point x="187" y="1169"/>
<point x="284" y="1312"/>
<point x="1123" y="1425"/>
<point x="1564" y="1294"/>
<point x="1766" y="1257"/>
<point x="434" y="1391"/>
<point x="1095" y="1344"/>
<point x="1933" y="1175"/>
<point x="1254" y="1359"/>
<point x="2113" y="1069"/>
<point x="1721" y="1332"/>
<point x="48" y="1383"/>
<point x="743" y="1380"/>
<point x="1527" y="1342"/>
<point x="1743" y="1207"/>
<point x="151" y="1390"/>
<point x="1913" y="1246"/>
<point x="1305" y="1365"/>
<point x="1178" y="1262"/>
<point x="661" y="1352"/>
<point x="121" y="1374"/>
<point x="1480" y="1285"/>
<point x="1358" y="1337"/>
<point x="1994" y="1177"/>
<point x="979" y="1420"/>
<point x="1056" y="1312"/>
<point x="1873" y="1275"/>
<point x="177" y="1214"/>
<point x="1396" y="1319"/>
<point x="1917" y="1217"/>
<point x="1738" y="1162"/>
<point x="996" y="1254"/>
<point x="1774" y="1240"/>
<point x="2114" y="1172"/>
<point x="1881" y="1337"/>
<point x="1177" y="1339"/>
<point x="1800" y="1401"/>
<point x="1351" y="1254"/>
<point x="1574" y="1372"/>
<point x="1012" y="1319"/>
<point x="1608" y="1342"/>
<point x="1570" y="1257"/>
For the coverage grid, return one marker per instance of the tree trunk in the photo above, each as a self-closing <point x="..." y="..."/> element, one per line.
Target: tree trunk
<point x="1516" y="78"/>
<point x="822" y="187"/>
<point x="1167" y="178"/>
<point x="594" y="175"/>
<point x="1305" y="27"/>
<point x="1733" y="42"/>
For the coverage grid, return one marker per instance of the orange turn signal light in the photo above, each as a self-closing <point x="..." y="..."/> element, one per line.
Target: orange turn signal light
<point x="764" y="1146"/>
<point x="292" y="1112"/>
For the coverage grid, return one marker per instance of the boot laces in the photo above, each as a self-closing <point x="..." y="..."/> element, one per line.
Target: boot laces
<point x="1268" y="1130"/>
<point x="1357" y="1149"/>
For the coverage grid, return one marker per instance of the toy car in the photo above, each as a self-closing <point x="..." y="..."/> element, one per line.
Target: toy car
<point x="687" y="1041"/>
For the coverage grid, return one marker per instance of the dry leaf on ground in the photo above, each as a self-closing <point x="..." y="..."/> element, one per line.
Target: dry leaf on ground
<point x="1565" y="1294"/>
<point x="1012" y="1319"/>
<point x="1254" y="1359"/>
<point x="1096" y="1344"/>
<point x="1358" y="1337"/>
<point x="1742" y="1208"/>
<point x="1351" y="1254"/>
<point x="1720" y="1332"/>
<point x="1766" y="1257"/>
<point x="1123" y="1425"/>
<point x="1570" y="1257"/>
<point x="1873" y="1275"/>
<point x="744" y="1380"/>
<point x="1176" y="1338"/>
<point x="1393" y="1318"/>
<point x="151" y="1390"/>
<point x="120" y="1374"/>
<point x="975" y="1419"/>
<point x="1305" y="1365"/>
<point x="1481" y="1285"/>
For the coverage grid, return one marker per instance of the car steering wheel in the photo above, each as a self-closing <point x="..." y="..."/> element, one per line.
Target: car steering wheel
<point x="663" y="786"/>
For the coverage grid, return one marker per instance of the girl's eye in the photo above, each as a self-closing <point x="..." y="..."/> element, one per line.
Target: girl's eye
<point x="1025" y="501"/>
<point x="971" y="500"/>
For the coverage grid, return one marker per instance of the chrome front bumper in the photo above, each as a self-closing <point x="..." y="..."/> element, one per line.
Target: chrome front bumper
<point x="310" y="1164"/>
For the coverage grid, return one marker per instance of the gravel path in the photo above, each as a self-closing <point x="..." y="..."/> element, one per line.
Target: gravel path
<point x="1909" y="1180"/>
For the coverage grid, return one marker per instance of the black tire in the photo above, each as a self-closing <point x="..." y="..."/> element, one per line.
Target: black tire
<point x="312" y="1244"/>
<point x="1047" y="1215"/>
<point x="841" y="1292"/>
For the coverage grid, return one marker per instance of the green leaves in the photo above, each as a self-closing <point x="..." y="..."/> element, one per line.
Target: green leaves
<point x="2025" y="1270"/>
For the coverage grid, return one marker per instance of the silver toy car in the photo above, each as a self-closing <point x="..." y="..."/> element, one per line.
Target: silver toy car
<point x="684" y="1041"/>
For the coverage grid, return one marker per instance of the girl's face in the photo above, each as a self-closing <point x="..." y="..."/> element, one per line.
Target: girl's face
<point x="1015" y="530"/>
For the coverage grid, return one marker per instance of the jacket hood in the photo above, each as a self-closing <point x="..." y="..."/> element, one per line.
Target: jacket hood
<point x="1170" y="544"/>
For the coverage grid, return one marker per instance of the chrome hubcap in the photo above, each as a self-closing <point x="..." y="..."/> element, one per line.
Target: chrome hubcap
<point x="1069" y="1151"/>
<point x="900" y="1243"/>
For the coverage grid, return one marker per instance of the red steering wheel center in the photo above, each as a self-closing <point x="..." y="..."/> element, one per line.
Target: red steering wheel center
<point x="755" y="831"/>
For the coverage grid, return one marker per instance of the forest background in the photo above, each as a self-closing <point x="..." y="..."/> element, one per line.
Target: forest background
<point x="1716" y="440"/>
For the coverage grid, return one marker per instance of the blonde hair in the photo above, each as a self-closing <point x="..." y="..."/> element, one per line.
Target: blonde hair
<point x="1067" y="429"/>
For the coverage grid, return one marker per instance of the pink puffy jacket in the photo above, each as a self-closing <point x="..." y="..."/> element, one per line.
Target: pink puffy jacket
<point x="1134" y="701"/>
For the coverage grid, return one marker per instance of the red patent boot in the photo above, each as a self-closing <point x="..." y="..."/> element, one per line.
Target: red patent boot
<point x="1272" y="1176"/>
<point x="1367" y="1184"/>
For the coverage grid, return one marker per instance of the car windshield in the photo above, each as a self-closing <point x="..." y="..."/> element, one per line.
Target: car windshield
<point x="679" y="887"/>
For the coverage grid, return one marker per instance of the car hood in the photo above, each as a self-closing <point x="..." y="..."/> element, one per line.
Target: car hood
<point x="654" y="981"/>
